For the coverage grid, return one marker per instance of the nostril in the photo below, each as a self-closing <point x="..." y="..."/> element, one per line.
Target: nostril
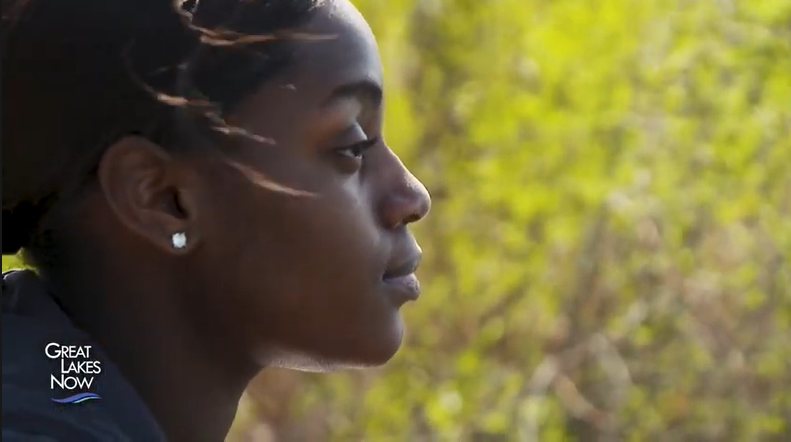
<point x="420" y="207"/>
<point x="403" y="210"/>
<point x="412" y="218"/>
<point x="406" y="200"/>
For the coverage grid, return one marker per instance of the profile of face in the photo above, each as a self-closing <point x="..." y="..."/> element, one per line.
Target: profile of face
<point x="312" y="280"/>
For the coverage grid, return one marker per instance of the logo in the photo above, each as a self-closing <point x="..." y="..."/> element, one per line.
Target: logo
<point x="75" y="375"/>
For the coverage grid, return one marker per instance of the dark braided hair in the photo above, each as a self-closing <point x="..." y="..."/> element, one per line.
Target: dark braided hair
<point x="78" y="75"/>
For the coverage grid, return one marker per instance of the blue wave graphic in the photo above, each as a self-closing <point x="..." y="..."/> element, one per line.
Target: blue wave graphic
<point x="77" y="398"/>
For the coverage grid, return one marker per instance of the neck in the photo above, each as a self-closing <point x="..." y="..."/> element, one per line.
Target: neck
<point x="190" y="380"/>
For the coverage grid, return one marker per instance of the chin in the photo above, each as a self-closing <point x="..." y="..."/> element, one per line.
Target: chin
<point x="374" y="350"/>
<point x="376" y="356"/>
<point x="379" y="346"/>
<point x="363" y="350"/>
<point x="322" y="364"/>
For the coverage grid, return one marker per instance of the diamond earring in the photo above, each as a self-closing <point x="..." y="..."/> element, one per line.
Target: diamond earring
<point x="179" y="240"/>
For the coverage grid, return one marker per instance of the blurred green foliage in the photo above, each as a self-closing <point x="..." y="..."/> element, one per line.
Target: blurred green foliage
<point x="607" y="257"/>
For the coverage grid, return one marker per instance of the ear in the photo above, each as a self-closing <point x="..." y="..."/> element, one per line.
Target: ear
<point x="150" y="193"/>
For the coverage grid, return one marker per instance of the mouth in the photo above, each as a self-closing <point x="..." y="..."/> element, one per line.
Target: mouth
<point x="406" y="268"/>
<point x="401" y="281"/>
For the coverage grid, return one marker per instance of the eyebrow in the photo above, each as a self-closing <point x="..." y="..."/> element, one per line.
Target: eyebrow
<point x="365" y="89"/>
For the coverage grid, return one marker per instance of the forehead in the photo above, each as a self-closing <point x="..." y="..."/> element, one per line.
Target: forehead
<point x="291" y="106"/>
<point x="346" y="53"/>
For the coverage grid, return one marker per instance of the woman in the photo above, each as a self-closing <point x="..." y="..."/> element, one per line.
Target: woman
<point x="204" y="191"/>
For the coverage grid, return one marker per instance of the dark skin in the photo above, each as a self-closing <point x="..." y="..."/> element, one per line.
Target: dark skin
<point x="312" y="281"/>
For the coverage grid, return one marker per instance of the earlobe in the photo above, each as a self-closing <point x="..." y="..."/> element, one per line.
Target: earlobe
<point x="149" y="194"/>
<point x="181" y="243"/>
<point x="179" y="240"/>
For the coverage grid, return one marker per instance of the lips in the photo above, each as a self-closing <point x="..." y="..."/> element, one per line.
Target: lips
<point x="401" y="281"/>
<point x="407" y="267"/>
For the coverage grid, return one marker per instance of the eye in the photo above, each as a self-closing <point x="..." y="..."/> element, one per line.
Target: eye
<point x="355" y="151"/>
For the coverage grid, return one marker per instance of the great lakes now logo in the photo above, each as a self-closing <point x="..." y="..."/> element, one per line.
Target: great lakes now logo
<point x="76" y="373"/>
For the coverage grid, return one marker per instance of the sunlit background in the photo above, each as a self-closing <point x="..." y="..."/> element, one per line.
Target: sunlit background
<point x="607" y="257"/>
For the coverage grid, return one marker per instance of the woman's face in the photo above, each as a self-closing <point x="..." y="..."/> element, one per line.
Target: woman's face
<point x="313" y="282"/>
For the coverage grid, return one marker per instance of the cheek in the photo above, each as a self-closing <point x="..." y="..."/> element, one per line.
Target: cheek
<point x="302" y="256"/>
<point x="301" y="274"/>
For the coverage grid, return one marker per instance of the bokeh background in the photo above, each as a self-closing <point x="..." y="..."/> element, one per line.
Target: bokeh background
<point x="608" y="253"/>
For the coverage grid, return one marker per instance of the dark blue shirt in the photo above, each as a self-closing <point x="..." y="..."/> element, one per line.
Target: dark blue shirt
<point x="39" y="403"/>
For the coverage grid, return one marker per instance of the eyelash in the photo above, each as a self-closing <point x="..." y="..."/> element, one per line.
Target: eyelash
<point x="360" y="147"/>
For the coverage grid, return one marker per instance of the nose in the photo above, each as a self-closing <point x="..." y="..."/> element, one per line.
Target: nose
<point x="406" y="199"/>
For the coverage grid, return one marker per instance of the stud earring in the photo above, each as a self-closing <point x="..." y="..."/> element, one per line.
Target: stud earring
<point x="179" y="240"/>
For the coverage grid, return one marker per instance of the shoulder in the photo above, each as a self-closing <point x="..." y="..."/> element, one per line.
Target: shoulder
<point x="34" y="405"/>
<point x="29" y="412"/>
<point x="30" y="415"/>
<point x="31" y="426"/>
<point x="11" y="435"/>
